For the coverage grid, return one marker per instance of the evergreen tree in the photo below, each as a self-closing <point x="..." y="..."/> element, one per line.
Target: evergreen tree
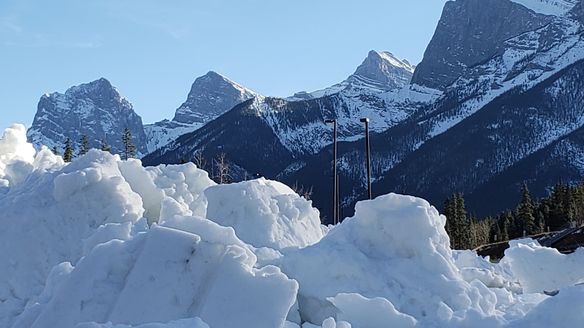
<point x="84" y="142"/>
<point x="457" y="224"/>
<point x="505" y="223"/>
<point x="55" y="150"/>
<point x="129" y="147"/>
<point x="104" y="146"/>
<point x="525" y="218"/>
<point x="557" y="217"/>
<point x="68" y="151"/>
<point x="495" y="234"/>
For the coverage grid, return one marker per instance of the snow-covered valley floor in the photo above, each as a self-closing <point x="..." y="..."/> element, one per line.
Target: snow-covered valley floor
<point x="106" y="243"/>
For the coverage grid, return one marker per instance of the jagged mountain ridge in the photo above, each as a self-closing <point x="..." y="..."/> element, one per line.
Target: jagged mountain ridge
<point x="526" y="61"/>
<point x="376" y="90"/>
<point x="95" y="109"/>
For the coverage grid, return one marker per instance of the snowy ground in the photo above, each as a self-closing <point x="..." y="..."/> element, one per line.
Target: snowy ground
<point x="105" y="243"/>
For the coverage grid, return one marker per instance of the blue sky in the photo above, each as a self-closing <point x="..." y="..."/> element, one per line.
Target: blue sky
<point x="153" y="50"/>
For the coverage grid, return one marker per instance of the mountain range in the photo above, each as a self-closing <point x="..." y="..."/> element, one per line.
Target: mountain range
<point x="495" y="102"/>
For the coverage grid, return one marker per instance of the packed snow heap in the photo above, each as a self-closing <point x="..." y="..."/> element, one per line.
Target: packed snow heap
<point x="105" y="243"/>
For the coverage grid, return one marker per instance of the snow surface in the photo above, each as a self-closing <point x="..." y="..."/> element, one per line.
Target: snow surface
<point x="106" y="243"/>
<point x="548" y="7"/>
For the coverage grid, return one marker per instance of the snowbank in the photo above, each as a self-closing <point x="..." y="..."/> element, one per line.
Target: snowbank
<point x="105" y="243"/>
<point x="265" y="214"/>
<point x="184" y="323"/>
<point x="16" y="156"/>
<point x="553" y="269"/>
<point x="163" y="275"/>
<point x="396" y="248"/>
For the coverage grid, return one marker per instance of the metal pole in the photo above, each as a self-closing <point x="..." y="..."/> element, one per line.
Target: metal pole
<point x="368" y="150"/>
<point x="335" y="203"/>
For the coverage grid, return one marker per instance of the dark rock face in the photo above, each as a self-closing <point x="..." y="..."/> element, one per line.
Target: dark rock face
<point x="211" y="95"/>
<point x="383" y="70"/>
<point x="578" y="11"/>
<point x="471" y="32"/>
<point x="94" y="109"/>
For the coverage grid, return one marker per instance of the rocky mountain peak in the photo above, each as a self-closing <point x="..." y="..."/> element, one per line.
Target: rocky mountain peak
<point x="471" y="32"/>
<point x="95" y="109"/>
<point x="385" y="70"/>
<point x="210" y="96"/>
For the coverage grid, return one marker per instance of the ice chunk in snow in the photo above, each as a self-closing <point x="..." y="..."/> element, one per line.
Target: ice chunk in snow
<point x="394" y="247"/>
<point x="370" y="313"/>
<point x="264" y="214"/>
<point x="539" y="269"/>
<point x="184" y="323"/>
<point x="182" y="183"/>
<point x="327" y="323"/>
<point x="167" y="274"/>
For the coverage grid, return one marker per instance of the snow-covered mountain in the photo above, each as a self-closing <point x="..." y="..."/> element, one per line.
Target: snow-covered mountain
<point x="380" y="71"/>
<point x="95" y="109"/>
<point x="210" y="96"/>
<point x="379" y="89"/>
<point x="510" y="80"/>
<point x="549" y="7"/>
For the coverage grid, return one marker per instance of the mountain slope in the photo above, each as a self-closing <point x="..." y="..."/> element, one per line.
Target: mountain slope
<point x="95" y="109"/>
<point x="210" y="96"/>
<point x="401" y="154"/>
<point x="298" y="124"/>
<point x="510" y="128"/>
<point x="246" y="140"/>
<point x="469" y="33"/>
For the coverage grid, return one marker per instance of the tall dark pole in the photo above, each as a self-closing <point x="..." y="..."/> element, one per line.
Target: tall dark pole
<point x="335" y="204"/>
<point x="368" y="150"/>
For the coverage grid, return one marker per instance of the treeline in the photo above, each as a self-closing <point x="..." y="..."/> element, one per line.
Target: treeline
<point x="564" y="206"/>
<point x="129" y="150"/>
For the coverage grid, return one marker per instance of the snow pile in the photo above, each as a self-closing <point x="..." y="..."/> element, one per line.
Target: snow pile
<point x="52" y="219"/>
<point x="265" y="214"/>
<point x="564" y="310"/>
<point x="554" y="270"/>
<point x="395" y="247"/>
<point x="163" y="275"/>
<point x="16" y="156"/>
<point x="105" y="243"/>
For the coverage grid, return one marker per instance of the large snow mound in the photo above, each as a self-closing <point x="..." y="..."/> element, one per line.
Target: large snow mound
<point x="166" y="274"/>
<point x="106" y="243"/>
<point x="396" y="248"/>
<point x="265" y="214"/>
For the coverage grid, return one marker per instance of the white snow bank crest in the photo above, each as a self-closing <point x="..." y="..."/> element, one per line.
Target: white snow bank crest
<point x="265" y="214"/>
<point x="395" y="247"/>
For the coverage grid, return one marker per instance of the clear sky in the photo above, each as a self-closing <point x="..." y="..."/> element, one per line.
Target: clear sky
<point x="153" y="50"/>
